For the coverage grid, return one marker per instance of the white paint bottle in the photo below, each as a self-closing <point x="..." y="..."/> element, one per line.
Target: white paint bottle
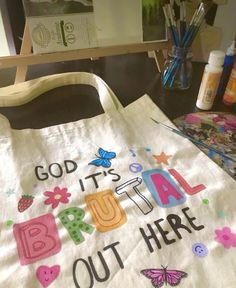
<point x="210" y="80"/>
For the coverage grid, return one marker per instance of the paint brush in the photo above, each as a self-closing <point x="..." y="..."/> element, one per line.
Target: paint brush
<point x="182" y="23"/>
<point x="198" y="142"/>
<point x="192" y="25"/>
<point x="196" y="22"/>
<point x="172" y="21"/>
<point x="168" y="22"/>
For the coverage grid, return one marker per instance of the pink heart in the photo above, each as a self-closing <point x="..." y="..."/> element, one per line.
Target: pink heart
<point x="46" y="275"/>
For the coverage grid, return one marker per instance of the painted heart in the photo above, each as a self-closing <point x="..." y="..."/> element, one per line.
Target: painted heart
<point x="46" y="275"/>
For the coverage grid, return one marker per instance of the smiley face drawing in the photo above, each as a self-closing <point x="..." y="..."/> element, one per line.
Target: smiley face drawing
<point x="46" y="275"/>
<point x="200" y="250"/>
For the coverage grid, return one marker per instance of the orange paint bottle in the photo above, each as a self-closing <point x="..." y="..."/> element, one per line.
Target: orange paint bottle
<point x="230" y="91"/>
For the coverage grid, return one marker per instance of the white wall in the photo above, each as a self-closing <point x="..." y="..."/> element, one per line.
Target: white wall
<point x="226" y="21"/>
<point x="4" y="49"/>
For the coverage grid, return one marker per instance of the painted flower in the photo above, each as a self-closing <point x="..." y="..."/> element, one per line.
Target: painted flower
<point x="226" y="237"/>
<point x="234" y="240"/>
<point x="56" y="196"/>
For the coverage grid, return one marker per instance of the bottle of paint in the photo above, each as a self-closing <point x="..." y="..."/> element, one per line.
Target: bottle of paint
<point x="227" y="67"/>
<point x="230" y="92"/>
<point x="210" y="80"/>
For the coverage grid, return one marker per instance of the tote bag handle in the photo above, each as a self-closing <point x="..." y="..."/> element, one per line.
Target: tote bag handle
<point x="22" y="93"/>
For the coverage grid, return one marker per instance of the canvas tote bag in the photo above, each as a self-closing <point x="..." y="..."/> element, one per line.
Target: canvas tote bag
<point x="111" y="201"/>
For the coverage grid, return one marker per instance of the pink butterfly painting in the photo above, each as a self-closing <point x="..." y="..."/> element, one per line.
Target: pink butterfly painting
<point x="162" y="276"/>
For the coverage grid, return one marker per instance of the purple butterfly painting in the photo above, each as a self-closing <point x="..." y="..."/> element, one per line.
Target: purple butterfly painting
<point x="162" y="276"/>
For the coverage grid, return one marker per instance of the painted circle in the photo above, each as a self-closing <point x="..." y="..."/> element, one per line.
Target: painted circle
<point x="135" y="167"/>
<point x="200" y="250"/>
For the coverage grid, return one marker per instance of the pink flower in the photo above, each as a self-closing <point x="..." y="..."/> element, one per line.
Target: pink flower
<point x="57" y="196"/>
<point x="234" y="240"/>
<point x="226" y="237"/>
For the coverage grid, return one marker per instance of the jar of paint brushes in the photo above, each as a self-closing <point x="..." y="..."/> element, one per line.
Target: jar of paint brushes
<point x="177" y="72"/>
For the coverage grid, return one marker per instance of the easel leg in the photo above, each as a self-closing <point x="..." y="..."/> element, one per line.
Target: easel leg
<point x="158" y="55"/>
<point x="25" y="49"/>
<point x="160" y="60"/>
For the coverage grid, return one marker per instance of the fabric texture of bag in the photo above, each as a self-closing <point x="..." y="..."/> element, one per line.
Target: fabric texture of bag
<point x="111" y="201"/>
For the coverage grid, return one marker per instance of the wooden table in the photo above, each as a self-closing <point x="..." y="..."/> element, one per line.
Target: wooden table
<point x="129" y="76"/>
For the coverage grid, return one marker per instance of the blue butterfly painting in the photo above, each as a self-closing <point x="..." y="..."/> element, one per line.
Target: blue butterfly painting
<point x="103" y="159"/>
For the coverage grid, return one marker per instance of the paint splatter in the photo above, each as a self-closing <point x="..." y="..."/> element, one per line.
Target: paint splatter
<point x="221" y="214"/>
<point x="205" y="201"/>
<point x="9" y="223"/>
<point x="148" y="149"/>
<point x="132" y="152"/>
<point x="10" y="192"/>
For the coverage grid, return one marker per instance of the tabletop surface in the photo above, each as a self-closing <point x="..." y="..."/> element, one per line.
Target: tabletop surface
<point x="129" y="76"/>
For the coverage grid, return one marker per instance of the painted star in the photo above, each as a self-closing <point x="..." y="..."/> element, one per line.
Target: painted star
<point x="162" y="158"/>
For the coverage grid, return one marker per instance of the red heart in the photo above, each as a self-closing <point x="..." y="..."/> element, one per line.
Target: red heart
<point x="46" y="275"/>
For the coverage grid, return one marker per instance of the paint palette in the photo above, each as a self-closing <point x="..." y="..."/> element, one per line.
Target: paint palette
<point x="216" y="129"/>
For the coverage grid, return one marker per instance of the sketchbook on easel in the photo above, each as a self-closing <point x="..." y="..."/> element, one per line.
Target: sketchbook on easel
<point x="63" y="25"/>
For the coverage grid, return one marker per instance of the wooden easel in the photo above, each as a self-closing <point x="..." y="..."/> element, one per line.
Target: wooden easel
<point x="26" y="58"/>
